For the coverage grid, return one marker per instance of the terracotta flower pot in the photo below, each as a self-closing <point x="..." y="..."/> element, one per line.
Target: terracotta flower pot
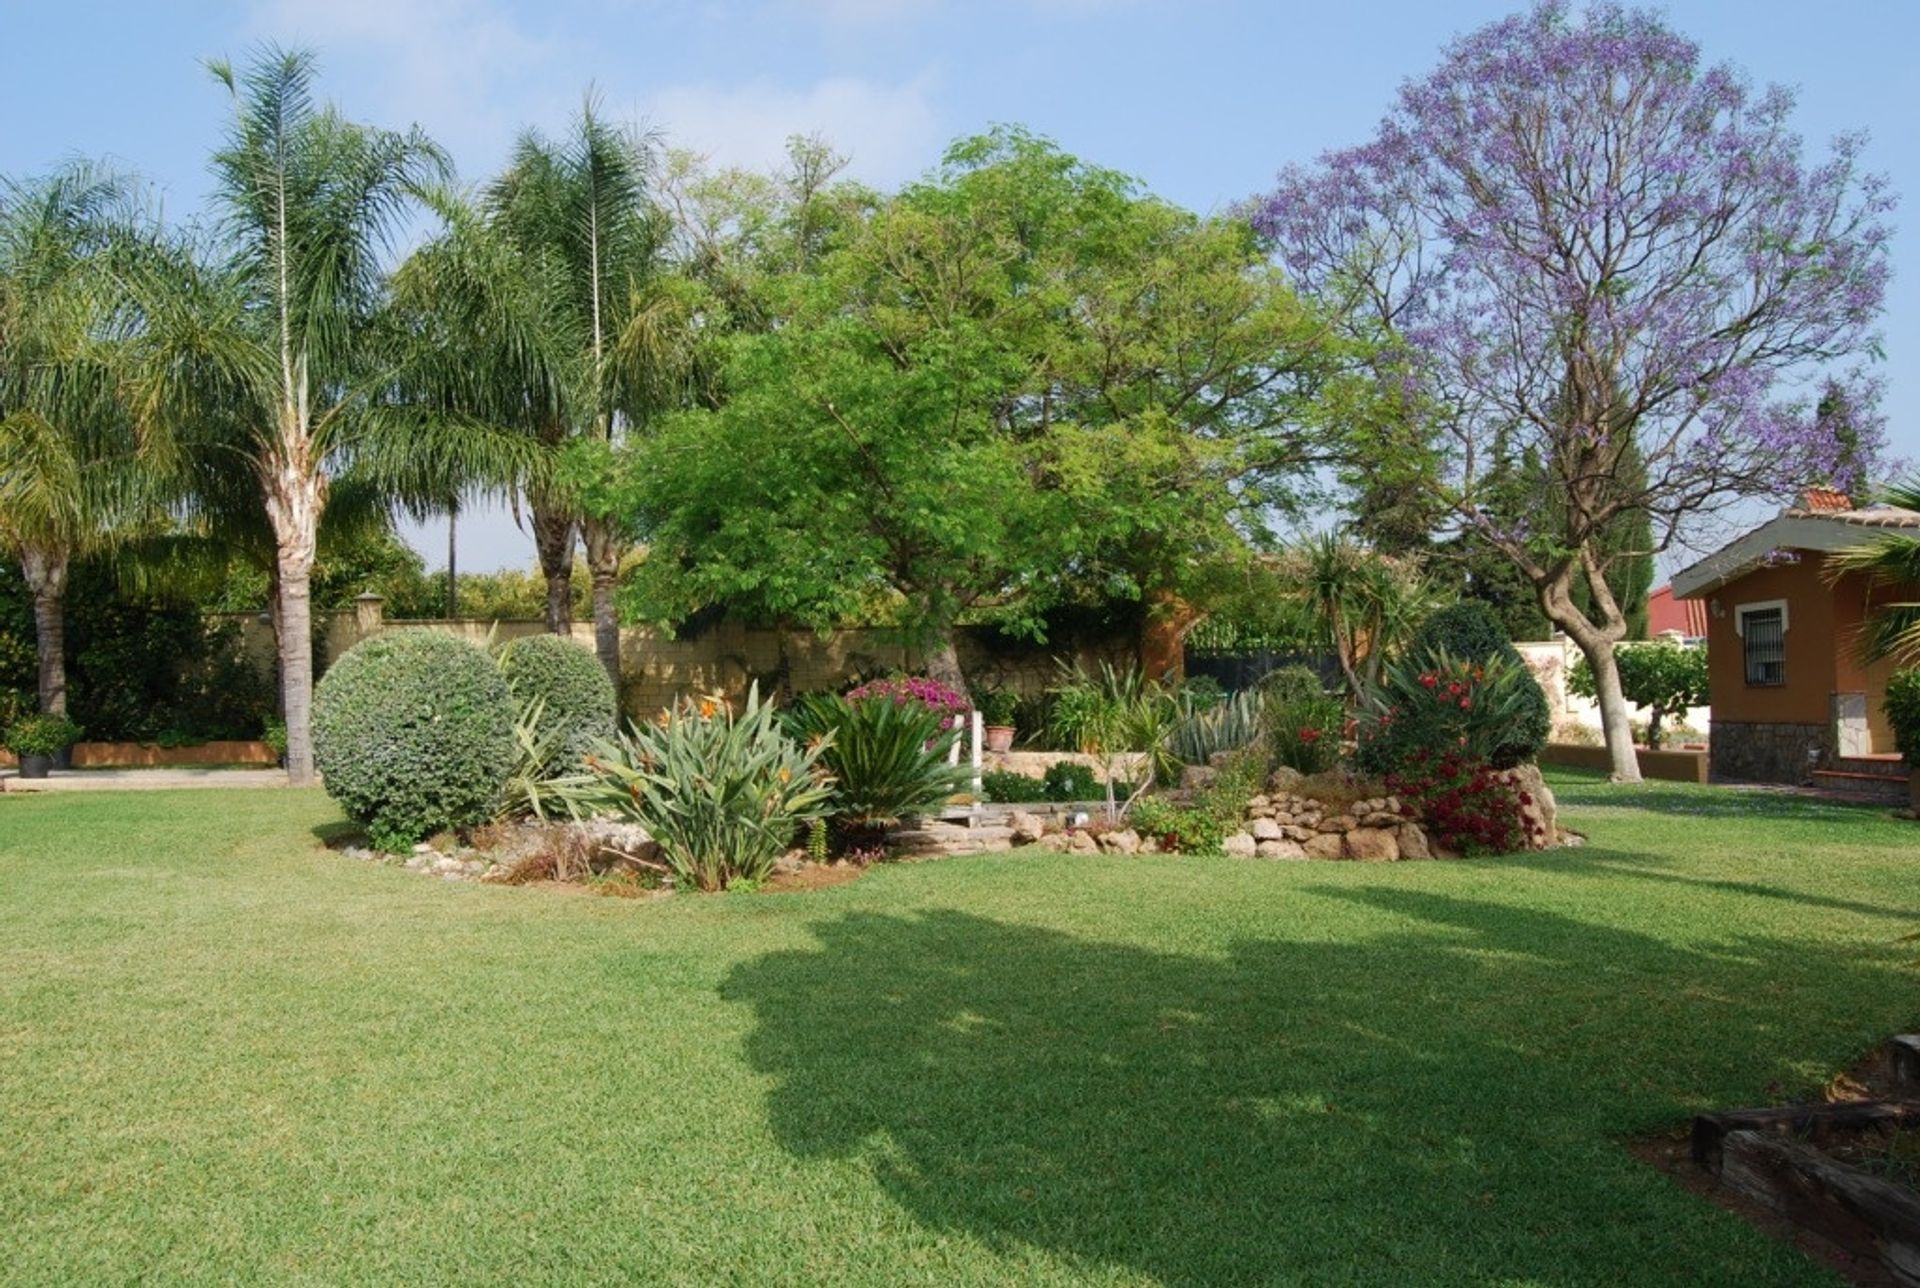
<point x="1000" y="738"/>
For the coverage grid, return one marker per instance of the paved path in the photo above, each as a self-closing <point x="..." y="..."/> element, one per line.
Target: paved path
<point x="141" y="780"/>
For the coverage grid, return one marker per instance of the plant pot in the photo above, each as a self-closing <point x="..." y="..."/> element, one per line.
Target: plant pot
<point x="63" y="758"/>
<point x="1000" y="738"/>
<point x="35" y="766"/>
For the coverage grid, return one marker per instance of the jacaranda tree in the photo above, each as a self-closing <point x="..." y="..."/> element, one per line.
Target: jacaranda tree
<point x="1575" y="233"/>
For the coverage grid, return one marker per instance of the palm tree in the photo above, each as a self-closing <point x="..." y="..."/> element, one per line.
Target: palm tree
<point x="279" y="348"/>
<point x="1893" y="559"/>
<point x="68" y="474"/>
<point x="498" y="343"/>
<point x="579" y="222"/>
<point x="1361" y="604"/>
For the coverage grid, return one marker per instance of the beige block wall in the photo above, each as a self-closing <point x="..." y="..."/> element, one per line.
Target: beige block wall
<point x="656" y="670"/>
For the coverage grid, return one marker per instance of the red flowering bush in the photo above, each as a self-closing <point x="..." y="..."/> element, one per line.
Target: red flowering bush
<point x="1465" y="804"/>
<point x="1437" y="704"/>
<point x="1305" y="732"/>
<point x="936" y="697"/>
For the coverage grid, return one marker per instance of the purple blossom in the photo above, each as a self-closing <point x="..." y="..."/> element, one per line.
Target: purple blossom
<point x="1575" y="235"/>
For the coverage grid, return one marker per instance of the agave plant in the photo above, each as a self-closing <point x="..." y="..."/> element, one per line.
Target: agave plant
<point x="1206" y="730"/>
<point x="723" y="795"/>
<point x="888" y="760"/>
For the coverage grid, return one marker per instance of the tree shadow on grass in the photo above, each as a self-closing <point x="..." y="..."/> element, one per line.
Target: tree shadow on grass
<point x="1755" y="802"/>
<point x="1587" y="862"/>
<point x="1437" y="1098"/>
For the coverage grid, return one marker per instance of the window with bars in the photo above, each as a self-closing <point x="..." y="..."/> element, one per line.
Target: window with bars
<point x="1763" y="638"/>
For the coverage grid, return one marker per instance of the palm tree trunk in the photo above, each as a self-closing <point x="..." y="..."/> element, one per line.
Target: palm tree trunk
<point x="603" y="563"/>
<point x="453" y="572"/>
<point x="46" y="575"/>
<point x="293" y="507"/>
<point x="553" y="536"/>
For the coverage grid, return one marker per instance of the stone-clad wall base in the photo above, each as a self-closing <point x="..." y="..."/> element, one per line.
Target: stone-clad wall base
<point x="1767" y="753"/>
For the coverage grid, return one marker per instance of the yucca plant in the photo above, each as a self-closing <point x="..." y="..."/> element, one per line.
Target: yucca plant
<point x="723" y="795"/>
<point x="888" y="761"/>
<point x="538" y="746"/>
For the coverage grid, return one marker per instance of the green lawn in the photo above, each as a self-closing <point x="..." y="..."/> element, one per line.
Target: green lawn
<point x="227" y="1055"/>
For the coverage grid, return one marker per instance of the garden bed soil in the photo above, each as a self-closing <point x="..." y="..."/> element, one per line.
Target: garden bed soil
<point x="813" y="876"/>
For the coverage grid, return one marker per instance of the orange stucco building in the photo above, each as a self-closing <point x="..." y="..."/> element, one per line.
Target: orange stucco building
<point x="1789" y="691"/>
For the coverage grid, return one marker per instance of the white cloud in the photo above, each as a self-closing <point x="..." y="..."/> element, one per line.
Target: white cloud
<point x="462" y="69"/>
<point x="890" y="132"/>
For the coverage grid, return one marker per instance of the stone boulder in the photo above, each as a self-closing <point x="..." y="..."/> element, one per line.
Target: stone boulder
<point x="1265" y="829"/>
<point x="1195" y="777"/>
<point x="1413" y="842"/>
<point x="1240" y="845"/>
<point x="1027" y="827"/>
<point x="1082" y="842"/>
<point x="1124" y="841"/>
<point x="1372" y="844"/>
<point x="1537" y="807"/>
<point x="1324" y="845"/>
<point x="1282" y="850"/>
<point x="1285" y="779"/>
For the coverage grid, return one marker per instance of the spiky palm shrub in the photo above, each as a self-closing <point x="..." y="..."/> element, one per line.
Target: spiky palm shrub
<point x="888" y="760"/>
<point x="723" y="795"/>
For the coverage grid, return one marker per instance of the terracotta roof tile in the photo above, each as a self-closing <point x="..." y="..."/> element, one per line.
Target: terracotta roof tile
<point x="1826" y="500"/>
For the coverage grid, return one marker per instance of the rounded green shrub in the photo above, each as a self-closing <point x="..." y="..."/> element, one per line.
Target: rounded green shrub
<point x="1292" y="683"/>
<point x="577" y="700"/>
<point x="1469" y="631"/>
<point x="413" y="734"/>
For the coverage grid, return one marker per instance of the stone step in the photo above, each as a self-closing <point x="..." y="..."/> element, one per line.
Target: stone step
<point x="1866" y="786"/>
<point x="1889" y="767"/>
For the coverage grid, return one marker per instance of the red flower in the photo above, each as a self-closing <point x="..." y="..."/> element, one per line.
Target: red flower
<point x="1466" y="704"/>
<point x="1429" y="679"/>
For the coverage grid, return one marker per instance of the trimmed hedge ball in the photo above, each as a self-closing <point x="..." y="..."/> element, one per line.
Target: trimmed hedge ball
<point x="580" y="703"/>
<point x="413" y="734"/>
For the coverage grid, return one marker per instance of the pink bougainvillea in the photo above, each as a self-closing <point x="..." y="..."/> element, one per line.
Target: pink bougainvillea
<point x="929" y="693"/>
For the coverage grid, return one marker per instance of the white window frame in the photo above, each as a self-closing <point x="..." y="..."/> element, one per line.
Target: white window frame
<point x="1740" y="612"/>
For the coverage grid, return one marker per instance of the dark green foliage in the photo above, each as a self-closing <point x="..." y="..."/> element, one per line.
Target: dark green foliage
<point x="1470" y="632"/>
<point x="138" y="666"/>
<point x="413" y="734"/>
<point x="1071" y="780"/>
<point x="1902" y="706"/>
<point x="888" y="760"/>
<point x="1005" y="788"/>
<point x="577" y="697"/>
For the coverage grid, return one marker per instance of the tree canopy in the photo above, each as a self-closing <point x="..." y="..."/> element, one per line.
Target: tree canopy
<point x="1577" y="235"/>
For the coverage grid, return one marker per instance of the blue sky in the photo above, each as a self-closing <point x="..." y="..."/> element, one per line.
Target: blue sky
<point x="1203" y="101"/>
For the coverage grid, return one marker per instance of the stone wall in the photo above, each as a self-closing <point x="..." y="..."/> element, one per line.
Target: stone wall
<point x="1766" y="753"/>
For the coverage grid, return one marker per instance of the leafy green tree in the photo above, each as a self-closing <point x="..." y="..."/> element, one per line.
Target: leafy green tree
<point x="1665" y="678"/>
<point x="1015" y="379"/>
